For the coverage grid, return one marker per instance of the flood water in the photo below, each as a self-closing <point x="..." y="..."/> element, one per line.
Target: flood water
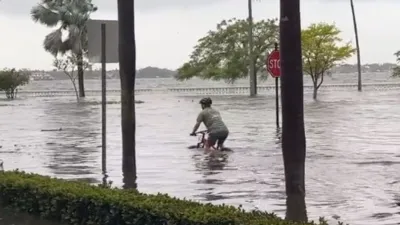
<point x="353" y="148"/>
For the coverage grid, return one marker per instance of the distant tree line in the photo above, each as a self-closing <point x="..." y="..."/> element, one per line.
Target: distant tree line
<point x="147" y="72"/>
<point x="155" y="72"/>
<point x="366" y="68"/>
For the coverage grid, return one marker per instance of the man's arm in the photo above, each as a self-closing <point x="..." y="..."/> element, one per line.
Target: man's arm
<point x="198" y="122"/>
<point x="196" y="126"/>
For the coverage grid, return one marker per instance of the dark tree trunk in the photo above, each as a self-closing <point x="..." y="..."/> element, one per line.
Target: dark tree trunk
<point x="81" y="82"/>
<point x="315" y="90"/>
<point x="255" y="80"/>
<point x="293" y="134"/>
<point x="127" y="68"/>
<point x="296" y="208"/>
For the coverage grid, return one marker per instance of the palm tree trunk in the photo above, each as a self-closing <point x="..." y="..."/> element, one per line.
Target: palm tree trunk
<point x="357" y="45"/>
<point x="80" y="74"/>
<point x="293" y="134"/>
<point x="127" y="68"/>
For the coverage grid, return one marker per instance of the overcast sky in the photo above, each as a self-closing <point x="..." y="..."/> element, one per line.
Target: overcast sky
<point x="167" y="30"/>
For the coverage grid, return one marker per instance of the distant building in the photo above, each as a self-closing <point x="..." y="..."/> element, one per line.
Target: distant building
<point x="40" y="76"/>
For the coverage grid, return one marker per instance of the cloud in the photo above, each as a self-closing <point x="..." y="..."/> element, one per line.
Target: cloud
<point x="149" y="5"/>
<point x="23" y="7"/>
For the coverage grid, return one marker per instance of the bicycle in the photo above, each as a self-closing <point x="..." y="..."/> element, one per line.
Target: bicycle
<point x="202" y="140"/>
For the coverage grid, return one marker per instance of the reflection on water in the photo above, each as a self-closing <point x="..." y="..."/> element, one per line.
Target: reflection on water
<point x="129" y="181"/>
<point x="278" y="136"/>
<point x="352" y="150"/>
<point x="208" y="165"/>
<point x="73" y="150"/>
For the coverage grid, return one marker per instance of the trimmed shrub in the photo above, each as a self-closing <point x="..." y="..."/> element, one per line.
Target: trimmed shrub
<point x="79" y="203"/>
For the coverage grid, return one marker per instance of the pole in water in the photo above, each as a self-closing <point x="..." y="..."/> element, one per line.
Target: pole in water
<point x="277" y="101"/>
<point x="277" y="94"/>
<point x="292" y="106"/>
<point x="103" y="100"/>
<point x="357" y="46"/>
<point x="127" y="65"/>
<point x="252" y="74"/>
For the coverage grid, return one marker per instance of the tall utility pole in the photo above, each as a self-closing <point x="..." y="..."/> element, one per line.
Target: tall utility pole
<point x="252" y="74"/>
<point x="127" y="70"/>
<point x="293" y="134"/>
<point x="357" y="45"/>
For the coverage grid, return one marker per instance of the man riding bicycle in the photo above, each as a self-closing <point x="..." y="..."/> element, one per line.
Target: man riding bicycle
<point x="217" y="130"/>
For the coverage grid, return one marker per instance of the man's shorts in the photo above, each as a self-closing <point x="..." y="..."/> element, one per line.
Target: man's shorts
<point x="219" y="136"/>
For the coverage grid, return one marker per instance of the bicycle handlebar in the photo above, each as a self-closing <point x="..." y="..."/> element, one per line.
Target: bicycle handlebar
<point x="202" y="132"/>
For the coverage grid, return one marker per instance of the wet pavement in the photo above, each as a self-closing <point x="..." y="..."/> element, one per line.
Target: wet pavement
<point x="352" y="165"/>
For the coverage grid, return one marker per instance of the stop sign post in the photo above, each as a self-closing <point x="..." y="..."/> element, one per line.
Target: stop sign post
<point x="274" y="68"/>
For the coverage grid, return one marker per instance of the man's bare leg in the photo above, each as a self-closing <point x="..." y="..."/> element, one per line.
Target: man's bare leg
<point x="220" y="145"/>
<point x="206" y="146"/>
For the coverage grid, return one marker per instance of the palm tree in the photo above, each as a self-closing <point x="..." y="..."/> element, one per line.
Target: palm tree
<point x="357" y="45"/>
<point x="66" y="16"/>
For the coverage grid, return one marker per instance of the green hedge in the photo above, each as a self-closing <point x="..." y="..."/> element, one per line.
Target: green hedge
<point x="79" y="203"/>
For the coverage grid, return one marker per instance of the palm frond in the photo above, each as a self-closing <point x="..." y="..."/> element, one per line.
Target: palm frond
<point x="53" y="42"/>
<point x="65" y="14"/>
<point x="52" y="4"/>
<point x="74" y="33"/>
<point x="43" y="15"/>
<point x="66" y="46"/>
<point x="76" y="13"/>
<point x="71" y="16"/>
<point x="74" y="37"/>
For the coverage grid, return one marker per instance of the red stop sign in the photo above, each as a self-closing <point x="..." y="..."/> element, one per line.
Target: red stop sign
<point x="274" y="64"/>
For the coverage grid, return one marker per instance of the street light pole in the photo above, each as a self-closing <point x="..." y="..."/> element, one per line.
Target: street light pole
<point x="357" y="45"/>
<point x="252" y="74"/>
